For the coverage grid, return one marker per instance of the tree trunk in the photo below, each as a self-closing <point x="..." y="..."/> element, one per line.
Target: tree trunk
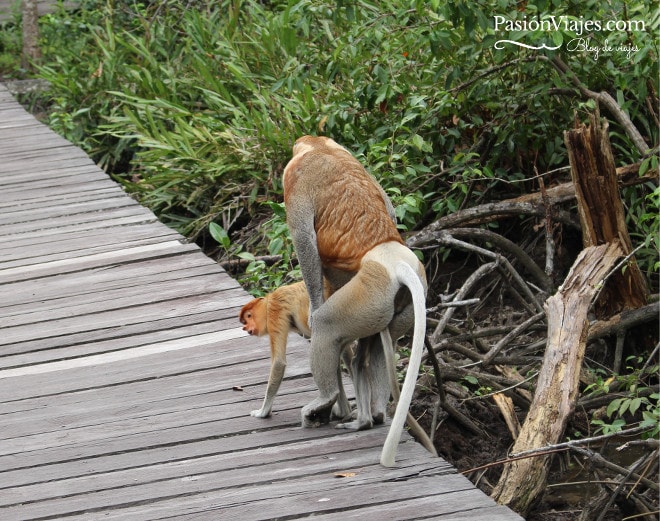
<point x="523" y="480"/>
<point x="601" y="212"/>
<point x="31" y="52"/>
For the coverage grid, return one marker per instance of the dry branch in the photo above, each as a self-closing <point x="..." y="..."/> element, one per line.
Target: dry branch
<point x="607" y="100"/>
<point x="508" y="246"/>
<point x="623" y="321"/>
<point x="564" y="192"/>
<point x="483" y="214"/>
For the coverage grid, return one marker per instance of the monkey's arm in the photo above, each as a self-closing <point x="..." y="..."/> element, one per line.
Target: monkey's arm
<point x="278" y="319"/>
<point x="301" y="223"/>
<point x="388" y="204"/>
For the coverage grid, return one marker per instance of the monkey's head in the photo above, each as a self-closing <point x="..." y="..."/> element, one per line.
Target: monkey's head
<point x="254" y="316"/>
<point x="306" y="143"/>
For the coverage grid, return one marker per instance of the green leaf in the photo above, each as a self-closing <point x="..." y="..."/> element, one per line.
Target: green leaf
<point x="634" y="405"/>
<point x="219" y="234"/>
<point x="613" y="407"/>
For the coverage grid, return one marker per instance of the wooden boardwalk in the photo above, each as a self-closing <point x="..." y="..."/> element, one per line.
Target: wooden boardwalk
<point x="126" y="381"/>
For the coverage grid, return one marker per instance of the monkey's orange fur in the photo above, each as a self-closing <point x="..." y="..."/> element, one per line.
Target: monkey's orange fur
<point x="344" y="232"/>
<point x="277" y="314"/>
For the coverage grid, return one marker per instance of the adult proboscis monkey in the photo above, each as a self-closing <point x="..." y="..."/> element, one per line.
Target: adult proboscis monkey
<point x="342" y="226"/>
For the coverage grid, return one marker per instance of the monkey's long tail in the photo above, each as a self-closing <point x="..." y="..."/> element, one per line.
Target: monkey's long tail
<point x="415" y="428"/>
<point x="407" y="276"/>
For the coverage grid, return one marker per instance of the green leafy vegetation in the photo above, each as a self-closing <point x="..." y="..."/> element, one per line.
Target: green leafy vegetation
<point x="637" y="401"/>
<point x="194" y="107"/>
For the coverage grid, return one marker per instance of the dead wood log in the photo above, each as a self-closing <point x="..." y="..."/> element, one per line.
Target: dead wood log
<point x="557" y="388"/>
<point x="601" y="211"/>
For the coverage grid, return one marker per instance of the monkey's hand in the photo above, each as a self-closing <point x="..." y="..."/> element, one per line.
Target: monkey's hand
<point x="260" y="413"/>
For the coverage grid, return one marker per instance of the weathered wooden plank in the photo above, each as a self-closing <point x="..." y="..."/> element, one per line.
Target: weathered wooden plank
<point x="186" y="376"/>
<point x="210" y="387"/>
<point x="212" y="462"/>
<point x="56" y="190"/>
<point x="109" y="300"/>
<point x="113" y="339"/>
<point x="47" y="199"/>
<point x="112" y="437"/>
<point x="258" y="443"/>
<point x="89" y="225"/>
<point x="30" y="250"/>
<point x="95" y="260"/>
<point x="427" y="507"/>
<point x="14" y="335"/>
<point x="113" y="336"/>
<point x="132" y="213"/>
<point x="37" y="185"/>
<point x="31" y="164"/>
<point x="50" y="149"/>
<point x="296" y="497"/>
<point x="51" y="172"/>
<point x="21" y="216"/>
<point x="315" y="475"/>
<point x="103" y="277"/>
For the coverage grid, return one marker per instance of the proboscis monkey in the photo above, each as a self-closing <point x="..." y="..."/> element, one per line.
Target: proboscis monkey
<point x="342" y="228"/>
<point x="277" y="314"/>
<point x="287" y="309"/>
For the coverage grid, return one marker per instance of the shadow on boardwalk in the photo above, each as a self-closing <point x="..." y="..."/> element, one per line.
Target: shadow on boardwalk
<point x="126" y="382"/>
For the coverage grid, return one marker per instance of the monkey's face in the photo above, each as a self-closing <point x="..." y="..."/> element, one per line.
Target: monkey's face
<point x="250" y="318"/>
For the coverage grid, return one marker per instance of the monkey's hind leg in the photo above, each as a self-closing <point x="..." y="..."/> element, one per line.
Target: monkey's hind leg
<point x="324" y="356"/>
<point x="324" y="362"/>
<point x="341" y="409"/>
<point x="362" y="383"/>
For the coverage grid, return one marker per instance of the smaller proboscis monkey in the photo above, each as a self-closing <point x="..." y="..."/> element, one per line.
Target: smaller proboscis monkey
<point x="284" y="310"/>
<point x="287" y="309"/>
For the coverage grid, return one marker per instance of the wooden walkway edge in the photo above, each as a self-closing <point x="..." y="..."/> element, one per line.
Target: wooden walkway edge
<point x="126" y="381"/>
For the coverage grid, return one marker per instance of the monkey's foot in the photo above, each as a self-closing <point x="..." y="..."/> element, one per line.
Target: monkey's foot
<point x="356" y="425"/>
<point x="260" y="413"/>
<point x="341" y="410"/>
<point x="316" y="413"/>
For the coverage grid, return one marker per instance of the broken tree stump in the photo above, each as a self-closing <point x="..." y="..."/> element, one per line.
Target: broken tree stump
<point x="557" y="388"/>
<point x="601" y="212"/>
